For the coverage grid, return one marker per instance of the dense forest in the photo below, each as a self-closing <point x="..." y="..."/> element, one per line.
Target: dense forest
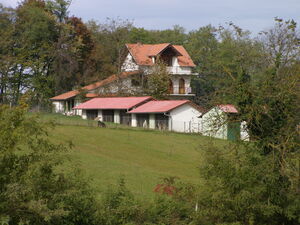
<point x="45" y="51"/>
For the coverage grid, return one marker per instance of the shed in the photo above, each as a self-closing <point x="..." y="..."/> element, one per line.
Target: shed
<point x="220" y="122"/>
<point x="174" y="115"/>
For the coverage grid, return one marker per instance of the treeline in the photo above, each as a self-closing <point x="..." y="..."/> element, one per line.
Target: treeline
<point x="44" y="51"/>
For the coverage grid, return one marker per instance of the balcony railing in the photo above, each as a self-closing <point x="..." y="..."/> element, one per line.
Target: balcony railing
<point x="179" y="70"/>
<point x="176" y="91"/>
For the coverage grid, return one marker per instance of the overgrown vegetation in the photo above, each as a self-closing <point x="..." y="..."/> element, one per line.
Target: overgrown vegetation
<point x="44" y="52"/>
<point x="33" y="187"/>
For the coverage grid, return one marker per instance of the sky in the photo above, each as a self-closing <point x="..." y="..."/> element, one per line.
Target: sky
<point x="252" y="15"/>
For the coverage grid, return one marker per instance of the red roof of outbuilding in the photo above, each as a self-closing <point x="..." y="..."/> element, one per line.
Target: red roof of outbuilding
<point x="162" y="106"/>
<point x="142" y="53"/>
<point x="113" y="103"/>
<point x="93" y="86"/>
<point x="228" y="108"/>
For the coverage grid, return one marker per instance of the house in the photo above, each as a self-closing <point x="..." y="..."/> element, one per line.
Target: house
<point x="173" y="115"/>
<point x="221" y="122"/>
<point x="179" y="64"/>
<point x="111" y="109"/>
<point x="137" y="64"/>
<point x="65" y="103"/>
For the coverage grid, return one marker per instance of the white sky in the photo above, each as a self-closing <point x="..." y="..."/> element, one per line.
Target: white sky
<point x="253" y="15"/>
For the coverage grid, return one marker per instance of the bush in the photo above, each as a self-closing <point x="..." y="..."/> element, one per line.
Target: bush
<point x="33" y="188"/>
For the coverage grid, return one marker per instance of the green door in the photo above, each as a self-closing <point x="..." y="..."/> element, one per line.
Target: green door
<point x="233" y="131"/>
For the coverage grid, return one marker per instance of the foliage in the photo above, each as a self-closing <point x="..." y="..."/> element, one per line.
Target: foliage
<point x="119" y="206"/>
<point x="258" y="182"/>
<point x="157" y="82"/>
<point x="33" y="187"/>
<point x="245" y="187"/>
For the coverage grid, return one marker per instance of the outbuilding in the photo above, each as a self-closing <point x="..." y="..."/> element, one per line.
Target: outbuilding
<point x="221" y="122"/>
<point x="111" y="109"/>
<point x="173" y="115"/>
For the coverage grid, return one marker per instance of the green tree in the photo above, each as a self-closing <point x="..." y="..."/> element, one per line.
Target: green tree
<point x="7" y="59"/>
<point x="158" y="80"/>
<point x="34" y="189"/>
<point x="257" y="182"/>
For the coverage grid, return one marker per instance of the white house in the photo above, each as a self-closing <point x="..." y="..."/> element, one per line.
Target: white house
<point x="221" y="122"/>
<point x="111" y="86"/>
<point x="173" y="115"/>
<point x="179" y="64"/>
<point x="137" y="64"/>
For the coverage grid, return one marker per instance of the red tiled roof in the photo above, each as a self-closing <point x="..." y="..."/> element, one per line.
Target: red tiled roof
<point x="185" y="59"/>
<point x="228" y="108"/>
<point x="142" y="52"/>
<point x="160" y="106"/>
<point x="95" y="85"/>
<point x="113" y="103"/>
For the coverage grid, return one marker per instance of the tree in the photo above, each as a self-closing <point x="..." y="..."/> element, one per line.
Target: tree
<point x="35" y="35"/>
<point x="257" y="182"/>
<point x="34" y="189"/>
<point x="158" y="80"/>
<point x="7" y="59"/>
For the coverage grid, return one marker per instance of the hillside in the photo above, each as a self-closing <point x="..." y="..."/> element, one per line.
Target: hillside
<point x="143" y="157"/>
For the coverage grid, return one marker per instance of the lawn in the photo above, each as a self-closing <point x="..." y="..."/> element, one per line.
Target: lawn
<point x="142" y="157"/>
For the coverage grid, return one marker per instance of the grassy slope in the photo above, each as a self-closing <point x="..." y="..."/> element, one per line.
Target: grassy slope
<point x="141" y="156"/>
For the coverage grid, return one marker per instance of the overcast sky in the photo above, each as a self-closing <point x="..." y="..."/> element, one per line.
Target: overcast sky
<point x="253" y="15"/>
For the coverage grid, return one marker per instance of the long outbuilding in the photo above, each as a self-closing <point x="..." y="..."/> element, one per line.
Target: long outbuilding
<point x="111" y="109"/>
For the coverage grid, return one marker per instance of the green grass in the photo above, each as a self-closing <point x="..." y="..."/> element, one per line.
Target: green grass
<point x="143" y="157"/>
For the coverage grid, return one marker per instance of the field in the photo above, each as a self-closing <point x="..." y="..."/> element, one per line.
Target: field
<point x="142" y="157"/>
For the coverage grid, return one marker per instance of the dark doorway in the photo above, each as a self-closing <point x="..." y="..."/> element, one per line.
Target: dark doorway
<point x="161" y="122"/>
<point x="91" y="114"/>
<point x="125" y="118"/>
<point x="142" y="120"/>
<point x="108" y="115"/>
<point x="171" y="89"/>
<point x="181" y="86"/>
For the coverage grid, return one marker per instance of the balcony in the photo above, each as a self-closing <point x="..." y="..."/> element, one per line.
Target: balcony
<point x="182" y="92"/>
<point x="179" y="70"/>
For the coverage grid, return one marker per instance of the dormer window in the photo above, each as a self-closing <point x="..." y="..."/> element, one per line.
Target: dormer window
<point x="168" y="54"/>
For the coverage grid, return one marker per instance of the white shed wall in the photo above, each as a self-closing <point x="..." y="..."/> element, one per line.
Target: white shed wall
<point x="185" y="119"/>
<point x="214" y="123"/>
<point x="58" y="106"/>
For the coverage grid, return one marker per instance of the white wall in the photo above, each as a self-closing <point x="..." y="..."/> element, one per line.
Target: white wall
<point x="129" y="64"/>
<point x="100" y="114"/>
<point x="116" y="116"/>
<point x="214" y="123"/>
<point x="152" y="121"/>
<point x="77" y="111"/>
<point x="185" y="119"/>
<point x="58" y="106"/>
<point x="133" y="120"/>
<point x="83" y="115"/>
